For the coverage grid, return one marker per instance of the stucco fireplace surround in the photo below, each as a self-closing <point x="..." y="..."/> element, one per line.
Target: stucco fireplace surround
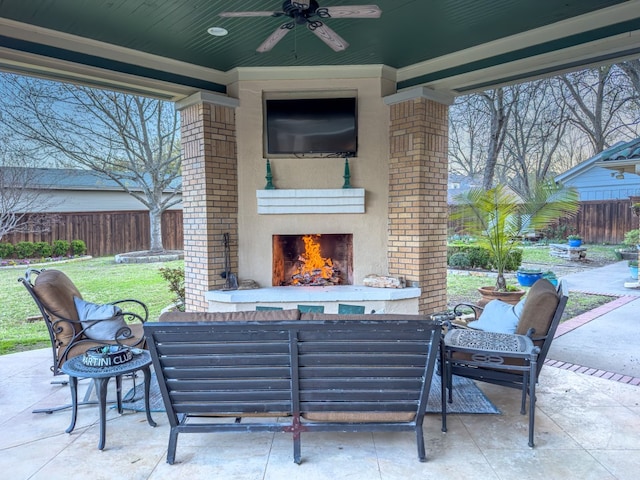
<point x="394" y="214"/>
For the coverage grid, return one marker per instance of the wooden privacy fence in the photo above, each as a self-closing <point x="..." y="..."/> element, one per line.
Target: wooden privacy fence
<point x="108" y="233"/>
<point x="602" y="221"/>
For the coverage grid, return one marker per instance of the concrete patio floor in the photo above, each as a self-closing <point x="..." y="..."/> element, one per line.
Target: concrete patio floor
<point x="587" y="428"/>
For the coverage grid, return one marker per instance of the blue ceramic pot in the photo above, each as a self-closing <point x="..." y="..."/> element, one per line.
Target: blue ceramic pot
<point x="575" y="243"/>
<point x="527" y="279"/>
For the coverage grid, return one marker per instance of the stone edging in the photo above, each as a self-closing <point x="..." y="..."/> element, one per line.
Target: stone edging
<point x="138" y="257"/>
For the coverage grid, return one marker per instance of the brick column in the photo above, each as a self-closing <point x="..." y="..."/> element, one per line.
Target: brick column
<point x="418" y="210"/>
<point x="209" y="192"/>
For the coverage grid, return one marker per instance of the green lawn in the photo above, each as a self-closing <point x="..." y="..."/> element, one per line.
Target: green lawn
<point x="99" y="280"/>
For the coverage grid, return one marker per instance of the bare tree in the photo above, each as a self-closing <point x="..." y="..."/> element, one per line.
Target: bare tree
<point x="632" y="69"/>
<point x="132" y="140"/>
<point x="535" y="131"/>
<point x="596" y="99"/>
<point x="499" y="110"/>
<point x="468" y="134"/>
<point x="20" y="203"/>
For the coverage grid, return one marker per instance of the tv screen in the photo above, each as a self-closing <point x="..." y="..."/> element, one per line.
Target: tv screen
<point x="319" y="126"/>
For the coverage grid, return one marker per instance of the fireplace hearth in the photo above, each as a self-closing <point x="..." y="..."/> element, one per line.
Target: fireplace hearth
<point x="312" y="260"/>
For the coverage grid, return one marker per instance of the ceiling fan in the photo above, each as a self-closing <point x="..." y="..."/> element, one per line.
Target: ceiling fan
<point x="306" y="13"/>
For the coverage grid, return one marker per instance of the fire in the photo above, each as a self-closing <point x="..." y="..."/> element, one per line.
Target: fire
<point x="312" y="268"/>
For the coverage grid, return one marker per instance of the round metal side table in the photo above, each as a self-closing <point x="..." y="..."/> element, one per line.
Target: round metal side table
<point x="101" y="375"/>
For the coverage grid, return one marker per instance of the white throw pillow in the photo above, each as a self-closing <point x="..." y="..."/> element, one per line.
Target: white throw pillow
<point x="101" y="322"/>
<point x="499" y="317"/>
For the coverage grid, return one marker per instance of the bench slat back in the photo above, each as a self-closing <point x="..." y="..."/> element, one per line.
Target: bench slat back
<point x="292" y="367"/>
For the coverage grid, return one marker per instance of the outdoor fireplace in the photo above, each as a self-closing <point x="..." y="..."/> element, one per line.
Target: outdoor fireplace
<point x="312" y="260"/>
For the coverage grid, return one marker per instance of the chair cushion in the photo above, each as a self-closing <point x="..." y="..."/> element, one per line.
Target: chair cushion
<point x="56" y="292"/>
<point x="100" y="322"/>
<point x="250" y="315"/>
<point x="499" y="317"/>
<point x="540" y="306"/>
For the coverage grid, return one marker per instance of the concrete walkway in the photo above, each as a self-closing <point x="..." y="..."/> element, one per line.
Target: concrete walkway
<point x="604" y="341"/>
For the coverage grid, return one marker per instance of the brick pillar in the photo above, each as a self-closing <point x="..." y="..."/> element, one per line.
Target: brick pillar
<point x="418" y="210"/>
<point x="209" y="192"/>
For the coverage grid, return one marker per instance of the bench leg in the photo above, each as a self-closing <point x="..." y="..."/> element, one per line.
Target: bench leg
<point x="173" y="443"/>
<point x="422" y="456"/>
<point x="297" y="458"/>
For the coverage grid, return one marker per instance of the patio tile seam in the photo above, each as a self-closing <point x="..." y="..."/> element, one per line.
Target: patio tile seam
<point x="584" y="318"/>
<point x="594" y="372"/>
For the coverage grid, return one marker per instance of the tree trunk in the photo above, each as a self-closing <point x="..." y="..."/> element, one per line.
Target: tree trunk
<point x="499" y="117"/>
<point x="155" y="222"/>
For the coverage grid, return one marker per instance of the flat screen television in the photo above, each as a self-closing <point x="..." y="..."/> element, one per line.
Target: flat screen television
<point x="311" y="127"/>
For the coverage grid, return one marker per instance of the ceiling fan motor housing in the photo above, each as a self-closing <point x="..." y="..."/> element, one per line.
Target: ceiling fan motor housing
<point x="300" y="12"/>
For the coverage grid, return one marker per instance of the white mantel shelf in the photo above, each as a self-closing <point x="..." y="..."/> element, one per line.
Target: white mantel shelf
<point x="308" y="201"/>
<point x="312" y="294"/>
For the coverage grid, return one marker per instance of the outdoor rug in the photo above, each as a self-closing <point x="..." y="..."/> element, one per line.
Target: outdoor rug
<point x="467" y="398"/>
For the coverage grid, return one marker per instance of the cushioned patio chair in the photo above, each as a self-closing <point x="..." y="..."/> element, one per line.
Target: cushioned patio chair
<point x="75" y="325"/>
<point x="538" y="320"/>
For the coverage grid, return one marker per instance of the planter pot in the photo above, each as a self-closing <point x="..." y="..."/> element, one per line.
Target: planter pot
<point x="575" y="243"/>
<point x="634" y="272"/>
<point x="526" y="279"/>
<point x="489" y="293"/>
<point x="627" y="254"/>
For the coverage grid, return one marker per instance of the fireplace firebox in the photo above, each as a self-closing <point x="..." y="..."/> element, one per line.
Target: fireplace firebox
<point x="312" y="260"/>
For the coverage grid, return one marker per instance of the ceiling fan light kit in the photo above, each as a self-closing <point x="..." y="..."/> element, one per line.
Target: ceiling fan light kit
<point x="307" y="13"/>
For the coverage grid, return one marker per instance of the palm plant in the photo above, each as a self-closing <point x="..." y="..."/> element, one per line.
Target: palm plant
<point x="500" y="216"/>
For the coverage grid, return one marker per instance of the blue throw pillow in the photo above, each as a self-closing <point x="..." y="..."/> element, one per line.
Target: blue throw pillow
<point x="101" y="322"/>
<point x="499" y="317"/>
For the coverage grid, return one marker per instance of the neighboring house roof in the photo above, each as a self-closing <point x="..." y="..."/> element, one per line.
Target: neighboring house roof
<point x="625" y="159"/>
<point x="72" y="190"/>
<point x="75" y="179"/>
<point x="597" y="179"/>
<point x="459" y="183"/>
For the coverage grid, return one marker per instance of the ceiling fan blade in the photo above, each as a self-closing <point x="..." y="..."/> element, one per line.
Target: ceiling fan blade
<point x="248" y="14"/>
<point x="328" y="36"/>
<point x="275" y="37"/>
<point x="355" y="11"/>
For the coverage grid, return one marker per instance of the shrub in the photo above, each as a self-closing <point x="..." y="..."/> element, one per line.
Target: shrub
<point x="25" y="249"/>
<point x="514" y="260"/>
<point x="78" y="247"/>
<point x="6" y="250"/>
<point x="460" y="260"/>
<point x="60" y="248"/>
<point x="42" y="249"/>
<point x="631" y="238"/>
<point x="175" y="277"/>
<point x="479" y="257"/>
